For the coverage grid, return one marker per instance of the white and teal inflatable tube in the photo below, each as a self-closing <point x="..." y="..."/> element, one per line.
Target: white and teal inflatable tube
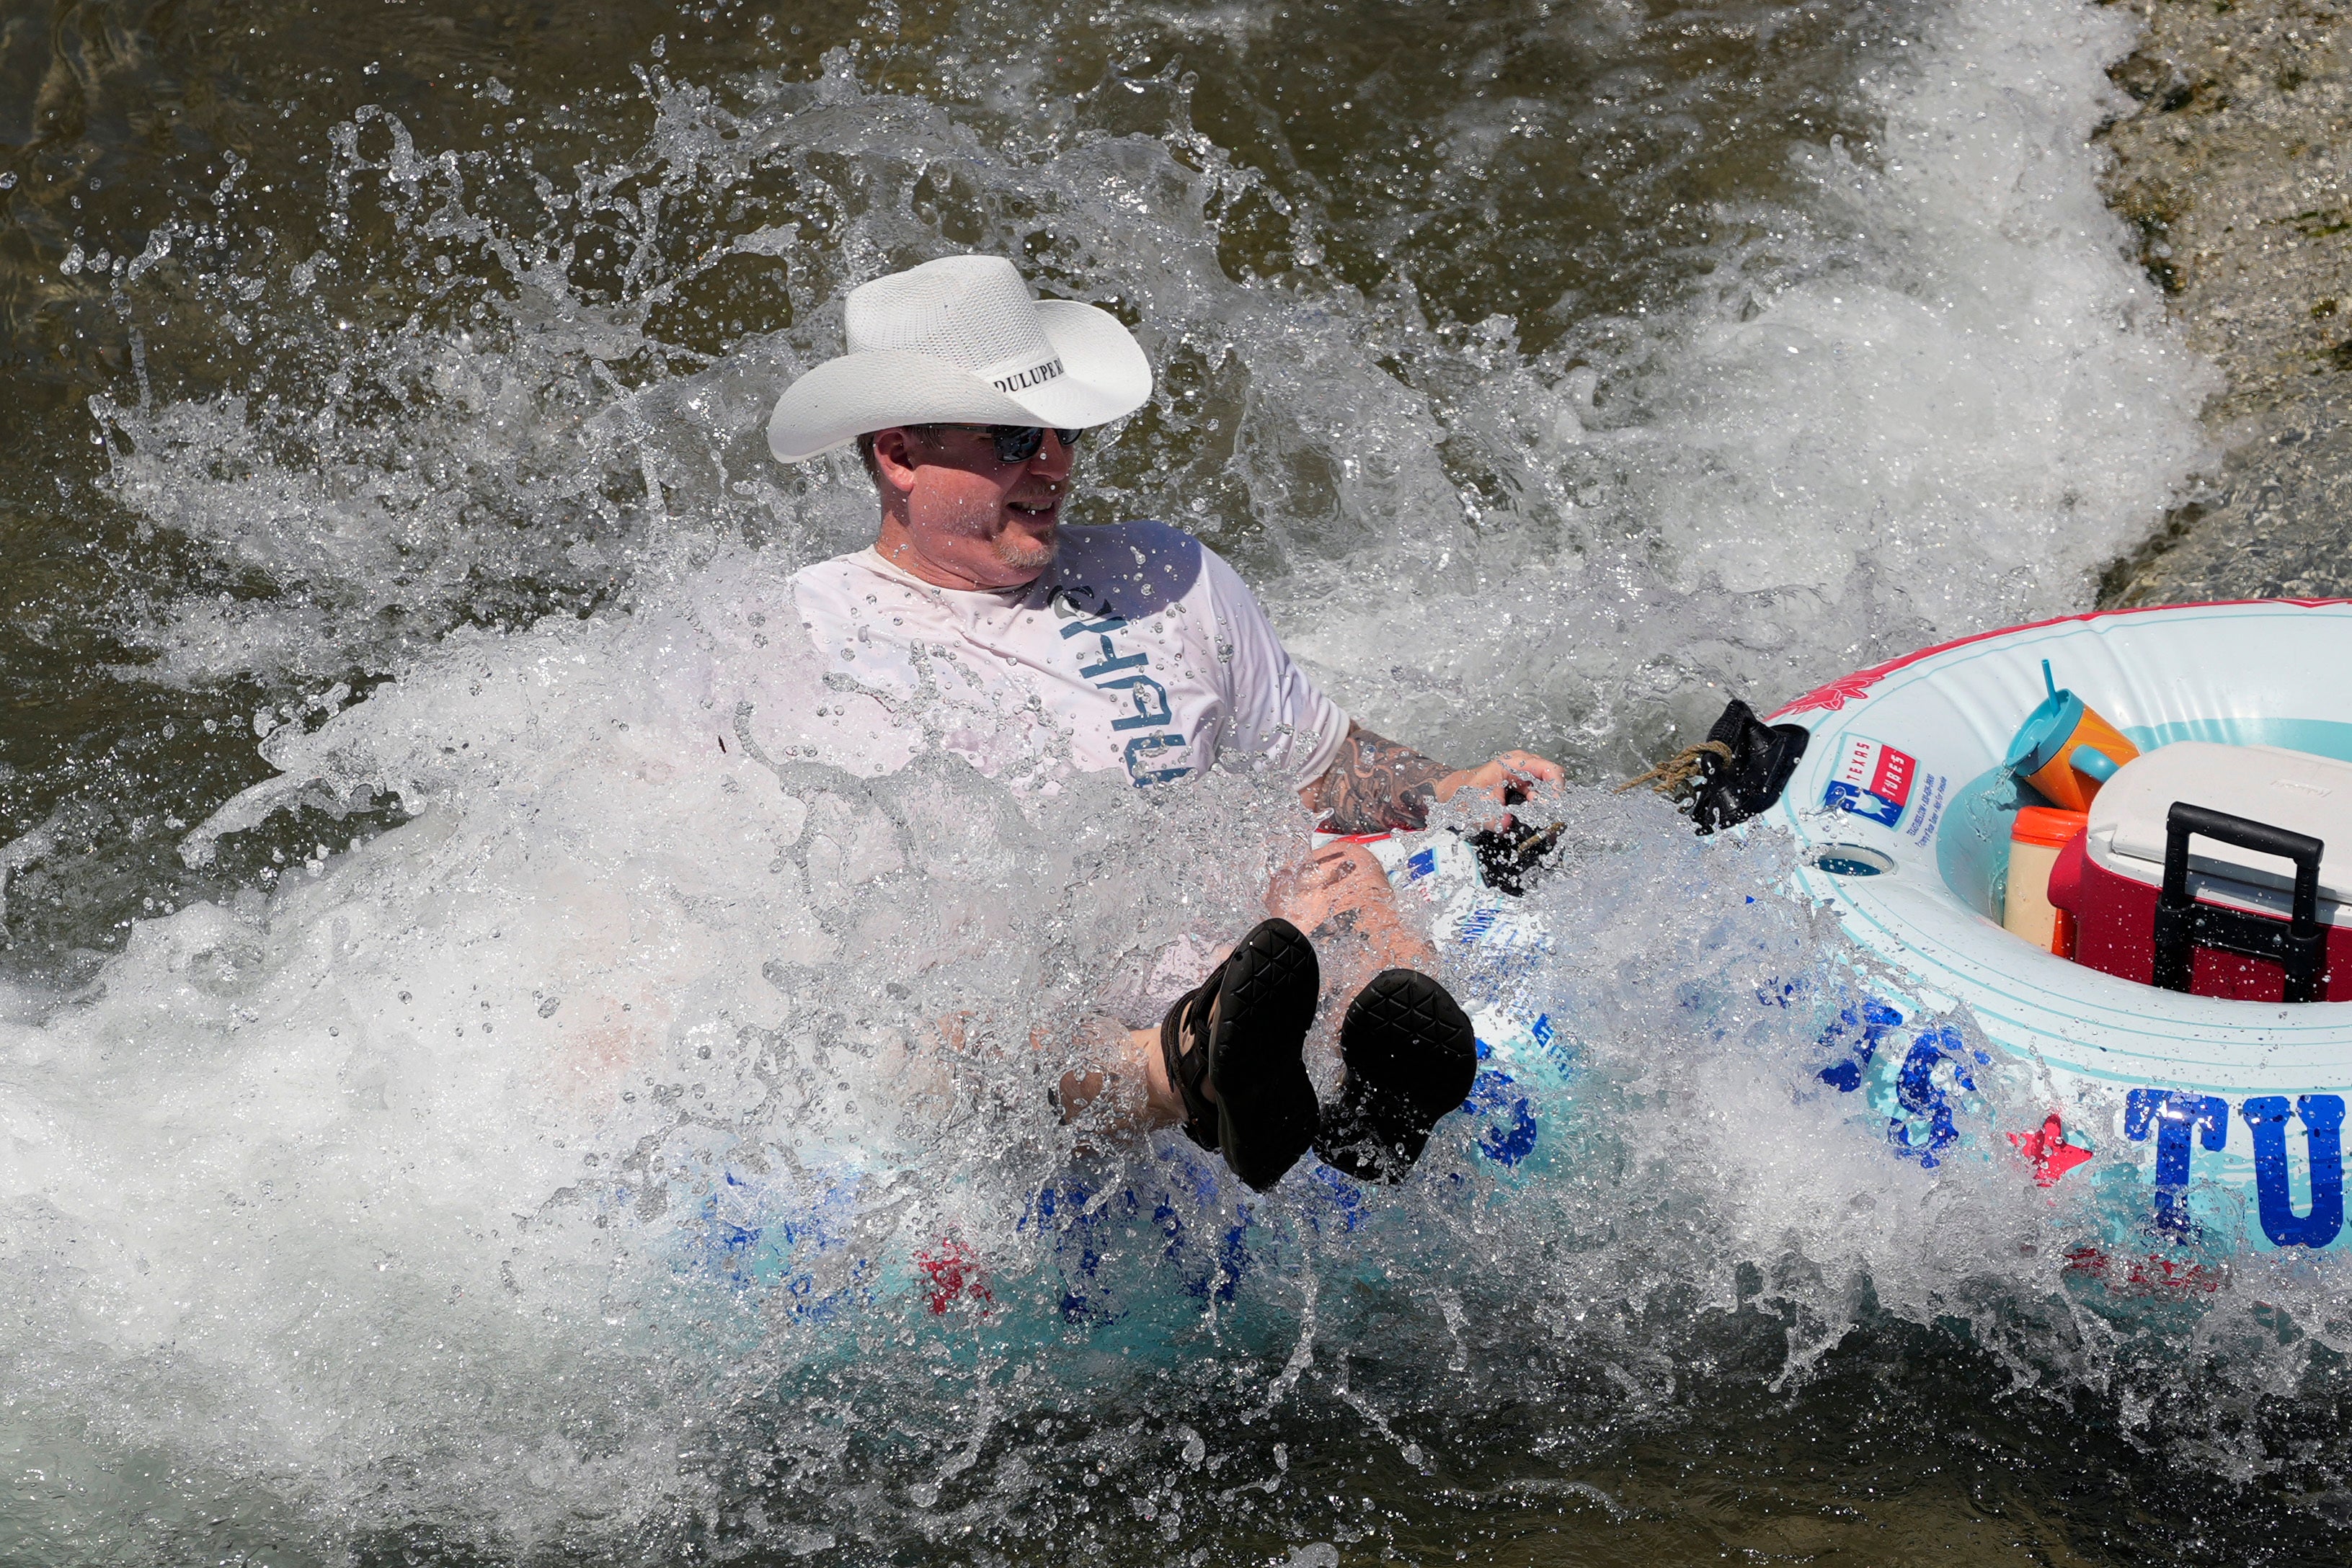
<point x="2212" y="1126"/>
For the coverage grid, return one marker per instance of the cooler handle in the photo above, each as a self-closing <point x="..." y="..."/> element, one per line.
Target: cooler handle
<point x="2183" y="924"/>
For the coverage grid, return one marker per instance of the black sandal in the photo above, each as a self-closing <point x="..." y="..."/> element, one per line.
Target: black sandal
<point x="1411" y="1056"/>
<point x="1241" y="1031"/>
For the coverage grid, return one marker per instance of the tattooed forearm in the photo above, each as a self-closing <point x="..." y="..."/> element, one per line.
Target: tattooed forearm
<point x="1375" y="785"/>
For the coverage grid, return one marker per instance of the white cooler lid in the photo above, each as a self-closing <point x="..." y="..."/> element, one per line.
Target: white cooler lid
<point x="2299" y="790"/>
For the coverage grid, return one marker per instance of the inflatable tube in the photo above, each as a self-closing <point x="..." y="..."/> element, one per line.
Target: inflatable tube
<point x="2206" y="1124"/>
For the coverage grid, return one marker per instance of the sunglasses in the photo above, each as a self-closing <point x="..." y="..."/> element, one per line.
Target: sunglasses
<point x="1020" y="443"/>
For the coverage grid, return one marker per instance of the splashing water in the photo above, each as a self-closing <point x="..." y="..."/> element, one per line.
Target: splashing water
<point x="556" y="1119"/>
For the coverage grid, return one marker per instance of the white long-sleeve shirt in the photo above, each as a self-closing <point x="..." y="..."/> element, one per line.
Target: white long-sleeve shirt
<point x="1139" y="650"/>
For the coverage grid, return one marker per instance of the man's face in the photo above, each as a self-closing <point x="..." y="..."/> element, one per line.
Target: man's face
<point x="971" y="516"/>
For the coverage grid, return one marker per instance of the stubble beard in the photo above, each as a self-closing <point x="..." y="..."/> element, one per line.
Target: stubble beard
<point x="1024" y="552"/>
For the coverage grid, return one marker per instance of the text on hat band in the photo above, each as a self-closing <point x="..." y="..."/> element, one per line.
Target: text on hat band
<point x="1036" y="375"/>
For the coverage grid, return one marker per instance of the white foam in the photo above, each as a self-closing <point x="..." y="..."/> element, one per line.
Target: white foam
<point x="381" y="1167"/>
<point x="1934" y="399"/>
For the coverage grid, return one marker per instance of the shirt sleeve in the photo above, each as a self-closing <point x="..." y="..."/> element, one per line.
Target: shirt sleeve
<point x="1280" y="719"/>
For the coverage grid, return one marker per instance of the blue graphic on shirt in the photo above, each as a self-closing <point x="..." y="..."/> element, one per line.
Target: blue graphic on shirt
<point x="1144" y="717"/>
<point x="1144" y="698"/>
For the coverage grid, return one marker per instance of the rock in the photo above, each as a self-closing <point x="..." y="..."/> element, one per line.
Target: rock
<point x="2234" y="164"/>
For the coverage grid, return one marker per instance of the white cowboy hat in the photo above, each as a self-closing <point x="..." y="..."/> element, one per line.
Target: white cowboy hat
<point x="960" y="342"/>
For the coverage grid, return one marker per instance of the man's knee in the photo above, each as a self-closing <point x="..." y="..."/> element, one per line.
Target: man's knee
<point x="1335" y="880"/>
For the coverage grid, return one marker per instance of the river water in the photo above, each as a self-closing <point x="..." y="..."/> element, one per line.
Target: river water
<point x="454" y="1112"/>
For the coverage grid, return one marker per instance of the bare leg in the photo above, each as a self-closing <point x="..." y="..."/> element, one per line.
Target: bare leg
<point x="1132" y="1093"/>
<point x="1341" y="897"/>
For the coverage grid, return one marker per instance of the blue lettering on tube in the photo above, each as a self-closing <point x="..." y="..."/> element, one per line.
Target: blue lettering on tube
<point x="2174" y="1115"/>
<point x="1875" y="1020"/>
<point x="1924" y="1100"/>
<point x="2322" y="1125"/>
<point x="1512" y="1130"/>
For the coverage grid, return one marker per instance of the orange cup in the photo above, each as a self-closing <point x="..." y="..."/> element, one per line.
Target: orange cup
<point x="2088" y="758"/>
<point x="2065" y="750"/>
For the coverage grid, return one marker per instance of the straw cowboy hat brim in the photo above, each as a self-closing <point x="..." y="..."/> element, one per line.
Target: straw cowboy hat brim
<point x="1097" y="373"/>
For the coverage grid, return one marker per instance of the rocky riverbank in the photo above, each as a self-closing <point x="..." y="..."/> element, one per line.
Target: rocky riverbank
<point x="2234" y="165"/>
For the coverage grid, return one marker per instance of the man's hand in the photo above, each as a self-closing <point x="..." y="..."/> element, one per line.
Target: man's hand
<point x="1378" y="786"/>
<point x="1514" y="770"/>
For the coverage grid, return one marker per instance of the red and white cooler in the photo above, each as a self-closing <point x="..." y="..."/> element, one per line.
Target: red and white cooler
<point x="2223" y="871"/>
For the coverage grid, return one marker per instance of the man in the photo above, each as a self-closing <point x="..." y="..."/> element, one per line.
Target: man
<point x="1134" y="647"/>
